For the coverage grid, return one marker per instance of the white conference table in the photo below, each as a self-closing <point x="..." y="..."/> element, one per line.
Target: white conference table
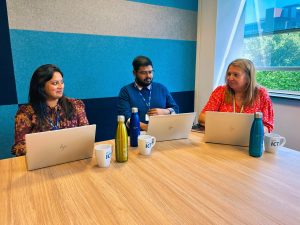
<point x="182" y="182"/>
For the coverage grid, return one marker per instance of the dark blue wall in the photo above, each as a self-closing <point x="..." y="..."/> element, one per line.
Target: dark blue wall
<point x="103" y="112"/>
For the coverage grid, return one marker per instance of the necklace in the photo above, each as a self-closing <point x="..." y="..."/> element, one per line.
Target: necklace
<point x="233" y="105"/>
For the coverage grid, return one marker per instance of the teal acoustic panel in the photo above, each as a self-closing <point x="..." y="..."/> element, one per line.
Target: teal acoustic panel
<point x="7" y="114"/>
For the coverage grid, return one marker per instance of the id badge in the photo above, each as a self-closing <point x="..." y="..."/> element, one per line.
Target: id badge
<point x="146" y="117"/>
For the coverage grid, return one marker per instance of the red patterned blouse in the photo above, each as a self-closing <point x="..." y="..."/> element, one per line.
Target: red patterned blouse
<point x="26" y="122"/>
<point x="262" y="104"/>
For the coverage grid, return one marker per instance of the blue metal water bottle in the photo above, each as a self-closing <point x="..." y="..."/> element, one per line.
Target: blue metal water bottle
<point x="256" y="136"/>
<point x="134" y="127"/>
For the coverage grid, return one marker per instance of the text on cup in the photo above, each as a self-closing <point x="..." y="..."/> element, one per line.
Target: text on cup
<point x="275" y="143"/>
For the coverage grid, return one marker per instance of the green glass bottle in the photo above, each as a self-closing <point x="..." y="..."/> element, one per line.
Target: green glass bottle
<point x="121" y="141"/>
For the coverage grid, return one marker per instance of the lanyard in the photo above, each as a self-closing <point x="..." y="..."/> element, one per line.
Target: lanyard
<point x="56" y="125"/>
<point x="242" y="107"/>
<point x="149" y="100"/>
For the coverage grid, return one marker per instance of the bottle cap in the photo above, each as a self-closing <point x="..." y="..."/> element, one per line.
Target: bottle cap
<point x="258" y="115"/>
<point x="134" y="110"/>
<point x="121" y="118"/>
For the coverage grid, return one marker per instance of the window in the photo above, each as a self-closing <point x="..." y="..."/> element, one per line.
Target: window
<point x="272" y="42"/>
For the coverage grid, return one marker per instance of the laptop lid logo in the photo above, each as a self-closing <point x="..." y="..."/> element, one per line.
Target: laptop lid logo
<point x="171" y="127"/>
<point x="62" y="147"/>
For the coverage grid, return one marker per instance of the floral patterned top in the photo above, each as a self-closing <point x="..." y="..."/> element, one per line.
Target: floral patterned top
<point x="262" y="104"/>
<point x="26" y="122"/>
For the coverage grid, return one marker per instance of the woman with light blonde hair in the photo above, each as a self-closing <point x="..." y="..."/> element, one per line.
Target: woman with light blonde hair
<point x="241" y="94"/>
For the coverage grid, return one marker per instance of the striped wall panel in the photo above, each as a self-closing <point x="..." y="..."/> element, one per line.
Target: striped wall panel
<point x="181" y="4"/>
<point x="94" y="45"/>
<point x="103" y="61"/>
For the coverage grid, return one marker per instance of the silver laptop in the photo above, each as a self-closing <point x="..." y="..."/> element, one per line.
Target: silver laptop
<point x="59" y="146"/>
<point x="170" y="127"/>
<point x="228" y="128"/>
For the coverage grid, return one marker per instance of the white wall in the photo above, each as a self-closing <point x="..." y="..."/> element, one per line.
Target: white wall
<point x="205" y="53"/>
<point x="287" y="120"/>
<point x="219" y="41"/>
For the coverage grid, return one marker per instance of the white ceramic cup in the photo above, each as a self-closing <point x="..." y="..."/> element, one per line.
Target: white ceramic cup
<point x="103" y="154"/>
<point x="145" y="144"/>
<point x="273" y="142"/>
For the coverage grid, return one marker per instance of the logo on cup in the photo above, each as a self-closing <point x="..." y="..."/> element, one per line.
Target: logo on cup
<point x="148" y="145"/>
<point x="275" y="143"/>
<point x="108" y="155"/>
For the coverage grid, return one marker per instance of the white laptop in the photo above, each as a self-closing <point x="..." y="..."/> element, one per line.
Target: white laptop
<point x="228" y="128"/>
<point x="170" y="127"/>
<point x="59" y="146"/>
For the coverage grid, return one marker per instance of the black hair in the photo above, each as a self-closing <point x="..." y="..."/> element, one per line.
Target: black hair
<point x="38" y="97"/>
<point x="141" y="61"/>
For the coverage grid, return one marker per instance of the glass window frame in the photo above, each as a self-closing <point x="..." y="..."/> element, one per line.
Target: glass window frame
<point x="277" y="93"/>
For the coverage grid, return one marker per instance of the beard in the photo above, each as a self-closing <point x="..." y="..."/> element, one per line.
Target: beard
<point x="143" y="82"/>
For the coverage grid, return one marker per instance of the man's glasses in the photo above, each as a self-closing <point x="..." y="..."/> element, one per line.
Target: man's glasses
<point x="145" y="72"/>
